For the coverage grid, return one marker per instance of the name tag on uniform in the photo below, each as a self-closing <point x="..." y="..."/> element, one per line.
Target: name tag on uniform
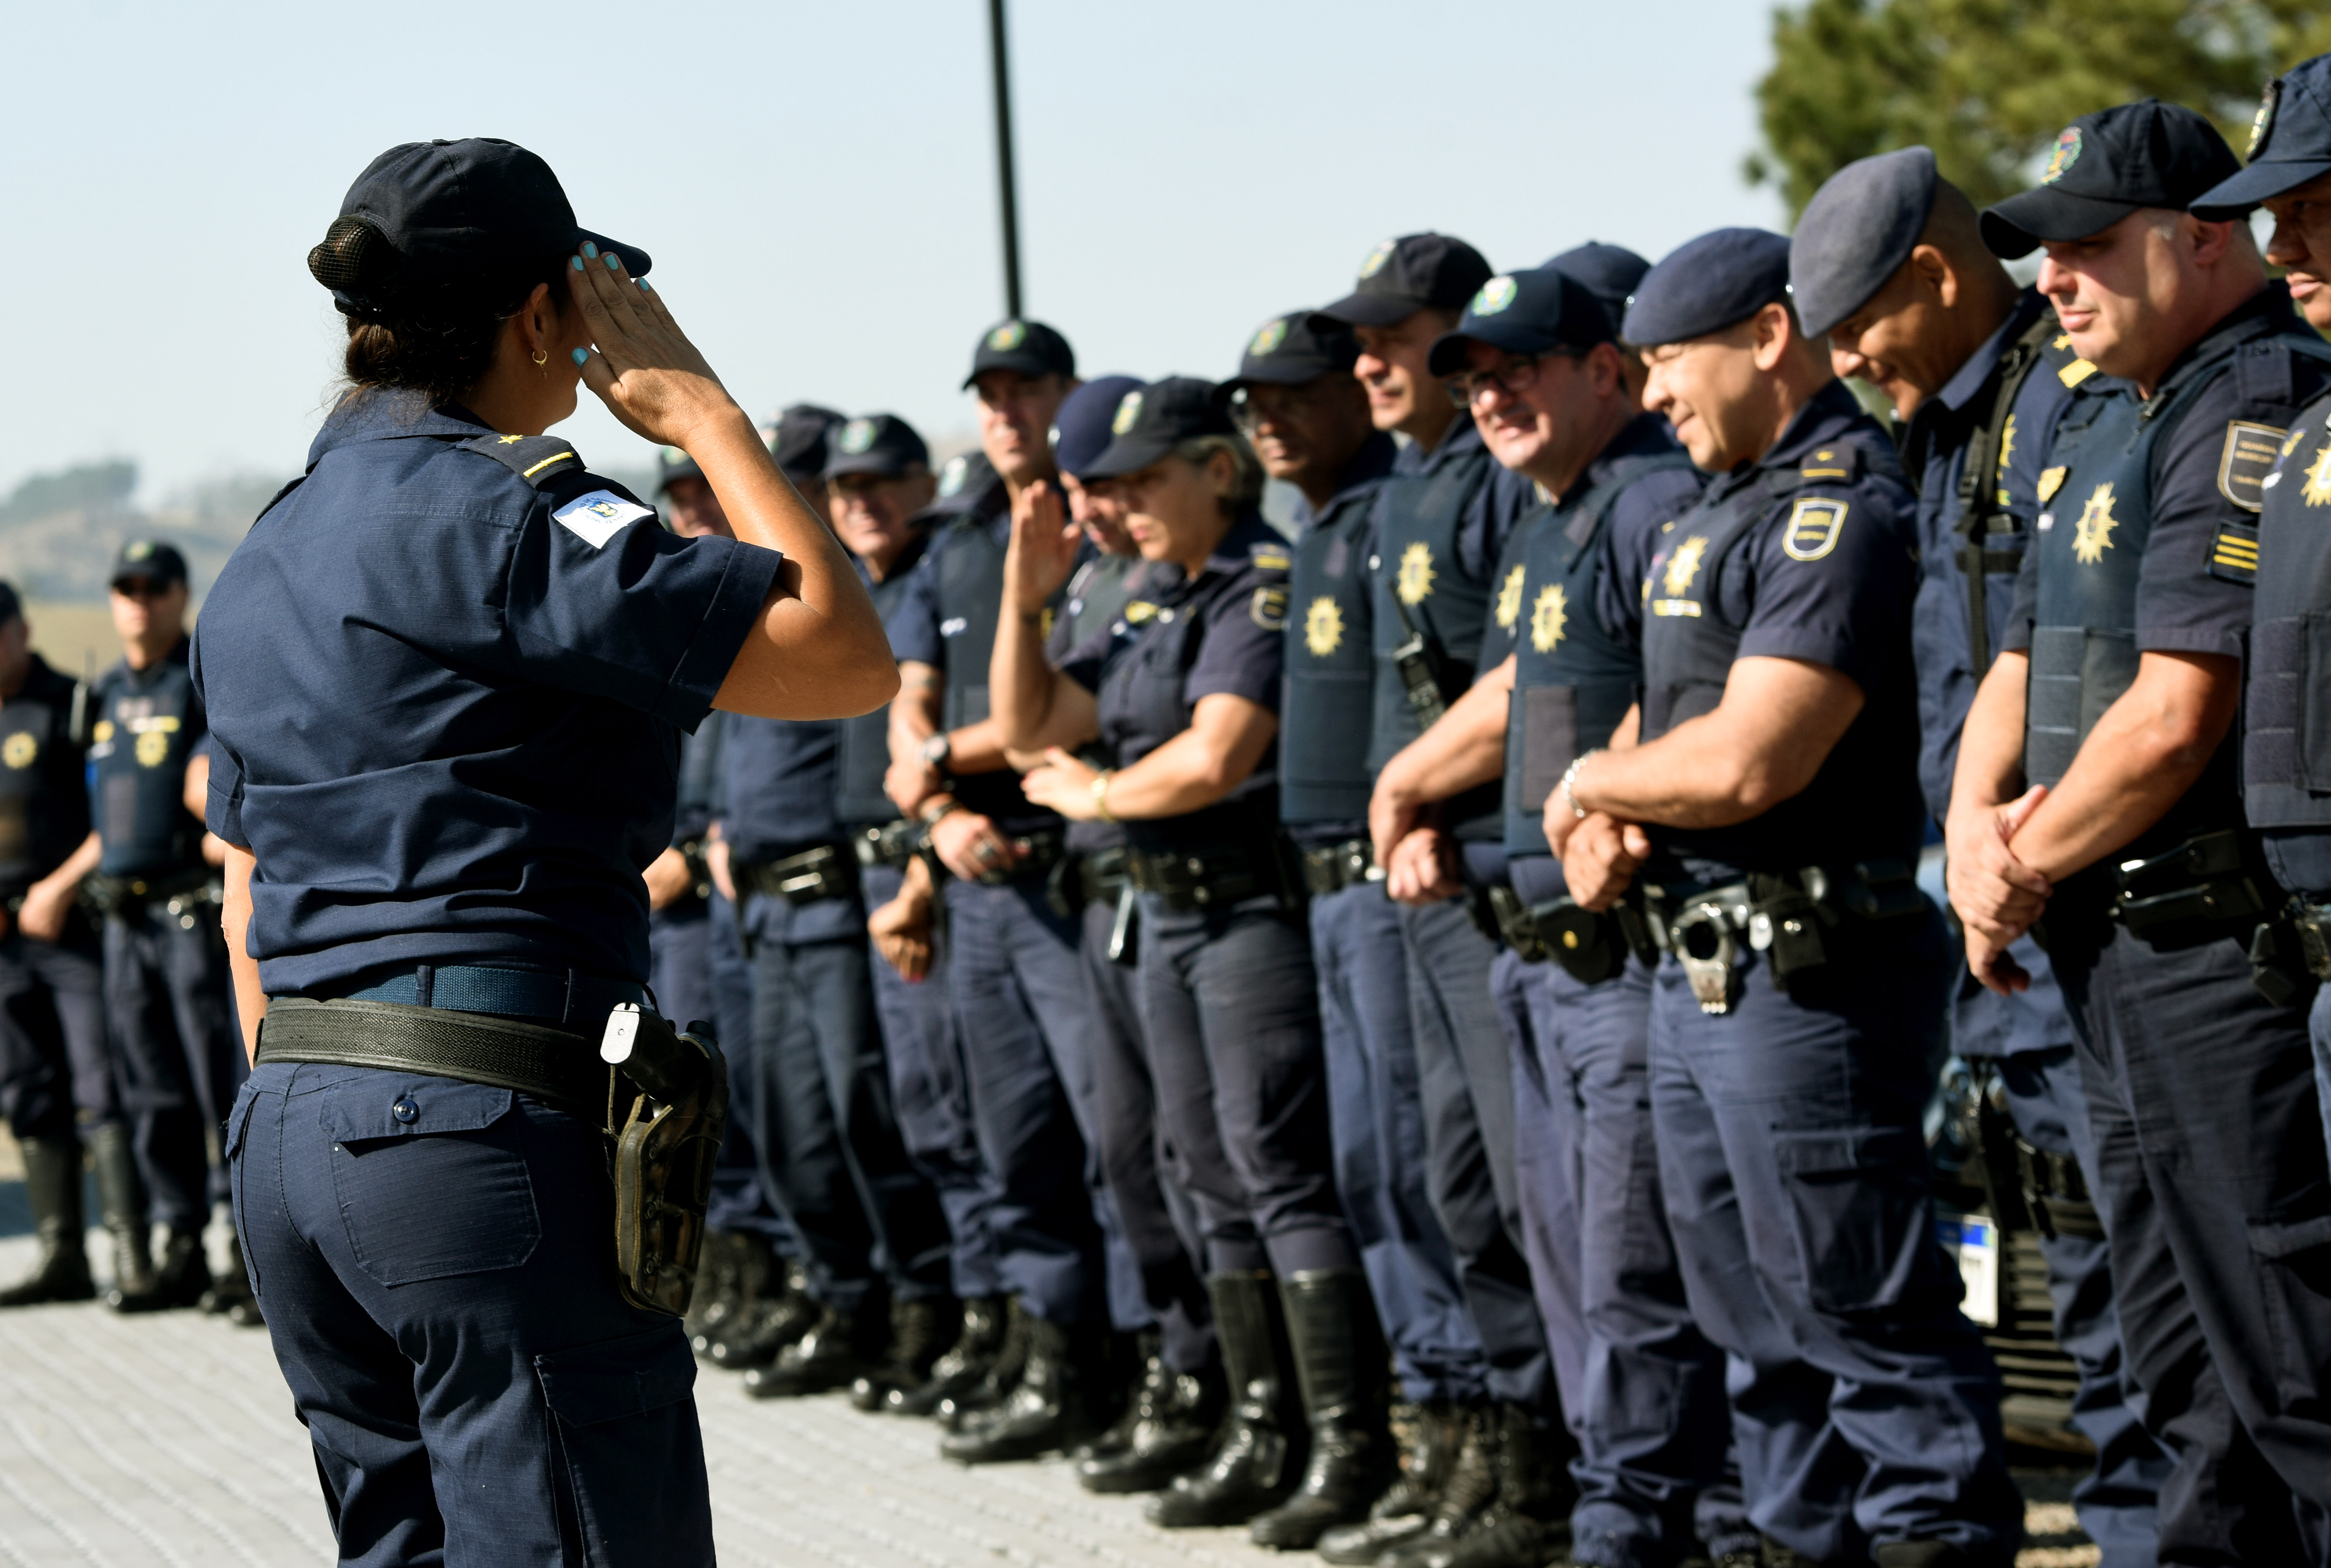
<point x="599" y="516"/>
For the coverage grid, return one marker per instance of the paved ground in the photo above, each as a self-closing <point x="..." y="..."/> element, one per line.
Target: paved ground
<point x="169" y="1440"/>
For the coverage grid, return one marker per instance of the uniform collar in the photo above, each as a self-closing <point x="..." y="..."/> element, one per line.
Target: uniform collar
<point x="180" y="656"/>
<point x="378" y="415"/>
<point x="1366" y="470"/>
<point x="2265" y="314"/>
<point x="1645" y="435"/>
<point x="1249" y="536"/>
<point x="1970" y="377"/>
<point x="1826" y="417"/>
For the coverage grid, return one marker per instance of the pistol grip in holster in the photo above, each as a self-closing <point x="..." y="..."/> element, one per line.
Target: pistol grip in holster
<point x="664" y="1152"/>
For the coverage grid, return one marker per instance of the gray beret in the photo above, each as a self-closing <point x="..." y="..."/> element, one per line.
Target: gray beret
<point x="1705" y="285"/>
<point x="1856" y="231"/>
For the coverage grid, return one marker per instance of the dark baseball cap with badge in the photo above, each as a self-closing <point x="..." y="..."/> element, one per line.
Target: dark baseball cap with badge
<point x="1151" y="420"/>
<point x="150" y="559"/>
<point x="1291" y="350"/>
<point x="1543" y="310"/>
<point x="2107" y="165"/>
<point x="881" y="444"/>
<point x="1407" y="274"/>
<point x="796" y="439"/>
<point x="1029" y="348"/>
<point x="1609" y="272"/>
<point x="2290" y="143"/>
<point x="1080" y="430"/>
<point x="672" y="463"/>
<point x="436" y="225"/>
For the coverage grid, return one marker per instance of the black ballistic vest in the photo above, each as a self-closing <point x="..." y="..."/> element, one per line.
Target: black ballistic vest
<point x="2287" y="705"/>
<point x="863" y="745"/>
<point x="1416" y="576"/>
<point x="1573" y="680"/>
<point x="1331" y="667"/>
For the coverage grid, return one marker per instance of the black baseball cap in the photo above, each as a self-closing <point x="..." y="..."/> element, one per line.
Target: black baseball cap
<point x="1080" y="430"/>
<point x="882" y="444"/>
<point x="1291" y="350"/>
<point x="796" y="439"/>
<point x="1029" y="348"/>
<point x="449" y="224"/>
<point x="1705" y="285"/>
<point x="2107" y="165"/>
<point x="1532" y="312"/>
<point x="10" y="607"/>
<point x="1151" y="420"/>
<point x="2290" y="143"/>
<point x="672" y="463"/>
<point x="148" y="558"/>
<point x="1405" y="275"/>
<point x="966" y="480"/>
<point x="1609" y="272"/>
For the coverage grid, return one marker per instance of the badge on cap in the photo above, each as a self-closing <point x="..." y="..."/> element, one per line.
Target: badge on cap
<point x="674" y="456"/>
<point x="1127" y="411"/>
<point x="1495" y="296"/>
<point x="2067" y="154"/>
<point x="952" y="476"/>
<point x="598" y="517"/>
<point x="1814" y="524"/>
<point x="142" y="550"/>
<point x="1376" y="259"/>
<point x="856" y="436"/>
<point x="1008" y="337"/>
<point x="1267" y="339"/>
<point x="2264" y="122"/>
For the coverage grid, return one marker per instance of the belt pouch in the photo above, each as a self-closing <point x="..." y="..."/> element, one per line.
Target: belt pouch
<point x="1586" y="944"/>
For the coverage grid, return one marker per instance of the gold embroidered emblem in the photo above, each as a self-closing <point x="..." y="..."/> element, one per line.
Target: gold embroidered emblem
<point x="2092" y="535"/>
<point x="2006" y="446"/>
<point x="1684" y="564"/>
<point x="103" y="732"/>
<point x="153" y="748"/>
<point x="2318" y="478"/>
<point x="19" y="750"/>
<point x="1548" y="617"/>
<point x="1414" y="580"/>
<point x="1139" y="610"/>
<point x="1510" y="598"/>
<point x="1323" y="627"/>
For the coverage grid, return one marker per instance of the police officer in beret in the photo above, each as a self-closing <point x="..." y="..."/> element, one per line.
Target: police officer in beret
<point x="1767" y="808"/>
<point x="2099" y="796"/>
<point x="57" y="1085"/>
<point x="1182" y="687"/>
<point x="1297" y="401"/>
<point x="1536" y="361"/>
<point x="1888" y="262"/>
<point x="1441" y="525"/>
<point x="436" y="911"/>
<point x="825" y="1130"/>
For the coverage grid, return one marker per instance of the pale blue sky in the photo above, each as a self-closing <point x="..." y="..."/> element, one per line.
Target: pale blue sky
<point x="816" y="182"/>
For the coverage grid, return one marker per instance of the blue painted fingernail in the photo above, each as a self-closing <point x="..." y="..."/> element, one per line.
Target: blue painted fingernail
<point x="611" y="262"/>
<point x="589" y="249"/>
<point x="581" y="355"/>
<point x="578" y="263"/>
<point x="644" y="285"/>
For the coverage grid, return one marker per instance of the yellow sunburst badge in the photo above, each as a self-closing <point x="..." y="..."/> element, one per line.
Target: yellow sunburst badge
<point x="1414" y="580"/>
<point x="2007" y="447"/>
<point x="1323" y="627"/>
<point x="153" y="746"/>
<point x="1548" y="617"/>
<point x="1509" y="597"/>
<point x="19" y="750"/>
<point x="103" y="732"/>
<point x="1684" y="564"/>
<point x="2318" y="480"/>
<point x="2092" y="536"/>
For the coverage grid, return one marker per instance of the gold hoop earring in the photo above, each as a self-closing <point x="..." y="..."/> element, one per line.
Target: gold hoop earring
<point x="541" y="357"/>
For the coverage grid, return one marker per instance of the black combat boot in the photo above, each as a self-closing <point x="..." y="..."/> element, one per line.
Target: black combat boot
<point x="755" y="1334"/>
<point x="963" y="1364"/>
<point x="920" y="1330"/>
<point x="1468" y="1495"/>
<point x="1169" y="1427"/>
<point x="1529" y="1519"/>
<point x="1254" y="1466"/>
<point x="182" y="1274"/>
<point x="53" y="1187"/>
<point x="1148" y="1366"/>
<point x="1340" y="1362"/>
<point x="717" y="1273"/>
<point x="995" y="1385"/>
<point x="230" y="1295"/>
<point x="1429" y="1435"/>
<point x="122" y="1197"/>
<point x="835" y="1353"/>
<point x="1043" y="1414"/>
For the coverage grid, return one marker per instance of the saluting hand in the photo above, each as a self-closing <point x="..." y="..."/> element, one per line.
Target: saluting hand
<point x="1044" y="549"/>
<point x="642" y="366"/>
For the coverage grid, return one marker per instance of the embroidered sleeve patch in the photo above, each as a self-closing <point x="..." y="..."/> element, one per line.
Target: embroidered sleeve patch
<point x="2250" y="454"/>
<point x="1812" y="529"/>
<point x="1269" y="609"/>
<point x="2233" y="554"/>
<point x="596" y="518"/>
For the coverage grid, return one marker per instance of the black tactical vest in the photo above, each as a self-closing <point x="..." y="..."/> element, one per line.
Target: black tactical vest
<point x="2090" y="552"/>
<point x="1328" y="692"/>
<point x="1416" y="577"/>
<point x="1573" y="680"/>
<point x="863" y="748"/>
<point x="2287" y="704"/>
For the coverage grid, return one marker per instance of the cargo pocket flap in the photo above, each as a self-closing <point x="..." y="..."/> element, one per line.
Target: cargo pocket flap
<point x="607" y="1382"/>
<point x="238" y="1121"/>
<point x="368" y="1106"/>
<point x="2270" y="1241"/>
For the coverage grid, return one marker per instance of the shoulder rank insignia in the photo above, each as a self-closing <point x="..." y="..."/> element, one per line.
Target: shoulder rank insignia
<point x="1270" y="558"/>
<point x="2077" y="371"/>
<point x="1831" y="463"/>
<point x="2234" y="553"/>
<point x="1268" y="609"/>
<point x="1812" y="529"/>
<point x="2250" y="453"/>
<point x="536" y="459"/>
<point x="599" y="516"/>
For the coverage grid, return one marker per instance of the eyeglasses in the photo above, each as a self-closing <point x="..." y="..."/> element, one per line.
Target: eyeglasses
<point x="1252" y="406"/>
<point x="1514" y="377"/>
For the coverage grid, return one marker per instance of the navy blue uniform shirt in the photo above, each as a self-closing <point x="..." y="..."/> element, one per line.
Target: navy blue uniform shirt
<point x="150" y="723"/>
<point x="447" y="702"/>
<point x="44" y="782"/>
<point x="1377" y="461"/>
<point x="699" y="802"/>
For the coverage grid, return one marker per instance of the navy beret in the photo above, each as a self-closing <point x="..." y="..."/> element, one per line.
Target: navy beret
<point x="1080" y="430"/>
<point x="1707" y="284"/>
<point x="2290" y="142"/>
<point x="1857" y="229"/>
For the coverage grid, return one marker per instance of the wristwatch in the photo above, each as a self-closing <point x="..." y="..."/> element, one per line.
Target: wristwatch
<point x="933" y="752"/>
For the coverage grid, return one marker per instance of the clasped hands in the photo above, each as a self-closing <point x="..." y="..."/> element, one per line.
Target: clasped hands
<point x="1996" y="895"/>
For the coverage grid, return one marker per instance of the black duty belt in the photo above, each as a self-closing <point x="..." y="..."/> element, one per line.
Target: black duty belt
<point x="1332" y="867"/>
<point x="564" y="997"/>
<point x="549" y="1064"/>
<point x="1591" y="944"/>
<point x="182" y="891"/>
<point x="1103" y="875"/>
<point x="1040" y="852"/>
<point x="822" y="871"/>
<point x="1213" y="878"/>
<point x="2203" y="889"/>
<point x="892" y="844"/>
<point x="1791" y="919"/>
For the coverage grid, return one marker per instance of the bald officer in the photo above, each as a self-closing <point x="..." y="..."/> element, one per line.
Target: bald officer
<point x="1888" y="262"/>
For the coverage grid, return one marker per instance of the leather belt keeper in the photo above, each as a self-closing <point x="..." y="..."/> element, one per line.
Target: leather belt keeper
<point x="548" y="1064"/>
<point x="1332" y="867"/>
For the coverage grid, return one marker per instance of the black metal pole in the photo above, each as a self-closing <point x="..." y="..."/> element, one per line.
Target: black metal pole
<point x="1007" y="185"/>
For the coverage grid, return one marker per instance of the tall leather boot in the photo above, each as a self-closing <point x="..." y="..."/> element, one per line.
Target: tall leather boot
<point x="995" y="1385"/>
<point x="1255" y="1465"/>
<point x="53" y="1187"/>
<point x="962" y="1364"/>
<point x="1529" y="1519"/>
<point x="920" y="1330"/>
<point x="1044" y="1413"/>
<point x="181" y="1277"/>
<point x="1468" y="1497"/>
<point x="1429" y="1435"/>
<point x="1169" y="1428"/>
<point x="1341" y="1361"/>
<point x="230" y="1295"/>
<point x="122" y="1196"/>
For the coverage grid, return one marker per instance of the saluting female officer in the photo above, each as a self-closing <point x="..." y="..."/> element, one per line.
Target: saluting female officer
<point x="447" y="671"/>
<point x="1183" y="685"/>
